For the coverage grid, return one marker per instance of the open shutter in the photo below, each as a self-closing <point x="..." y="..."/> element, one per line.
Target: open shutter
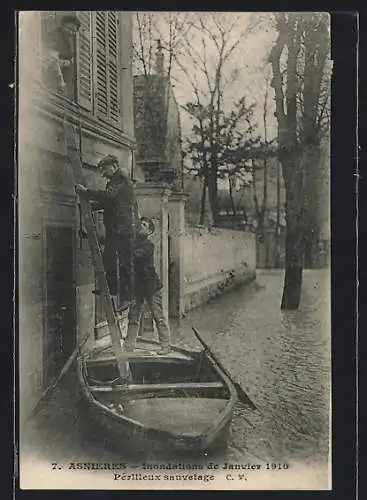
<point x="107" y="67"/>
<point x="85" y="61"/>
<point x="113" y="67"/>
<point x="101" y="65"/>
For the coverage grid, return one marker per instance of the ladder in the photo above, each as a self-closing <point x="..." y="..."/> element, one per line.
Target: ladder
<point x="107" y="303"/>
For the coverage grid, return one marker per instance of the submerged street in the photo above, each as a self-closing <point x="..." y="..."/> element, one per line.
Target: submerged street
<point x="281" y="359"/>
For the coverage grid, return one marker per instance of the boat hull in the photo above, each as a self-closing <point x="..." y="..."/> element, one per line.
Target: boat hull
<point x="127" y="438"/>
<point x="188" y="417"/>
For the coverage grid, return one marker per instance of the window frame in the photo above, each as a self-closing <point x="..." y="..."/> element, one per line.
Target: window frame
<point x="90" y="106"/>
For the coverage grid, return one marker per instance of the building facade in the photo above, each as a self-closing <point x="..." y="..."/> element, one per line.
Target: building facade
<point x="85" y="74"/>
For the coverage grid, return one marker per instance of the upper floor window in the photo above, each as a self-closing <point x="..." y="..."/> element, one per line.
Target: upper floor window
<point x="86" y="67"/>
<point x="58" y="54"/>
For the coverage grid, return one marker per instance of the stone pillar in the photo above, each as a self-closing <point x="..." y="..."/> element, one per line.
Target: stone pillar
<point x="176" y="210"/>
<point x="153" y="202"/>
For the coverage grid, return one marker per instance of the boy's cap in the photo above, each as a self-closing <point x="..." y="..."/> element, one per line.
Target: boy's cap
<point x="108" y="160"/>
<point x="150" y="222"/>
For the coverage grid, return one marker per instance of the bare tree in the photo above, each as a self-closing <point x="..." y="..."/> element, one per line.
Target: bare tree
<point x="314" y="126"/>
<point x="157" y="38"/>
<point x="301" y="49"/>
<point x="169" y="28"/>
<point x="233" y="147"/>
<point x="261" y="209"/>
<point x="209" y="47"/>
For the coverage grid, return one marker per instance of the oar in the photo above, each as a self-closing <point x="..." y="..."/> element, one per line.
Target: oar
<point x="242" y="396"/>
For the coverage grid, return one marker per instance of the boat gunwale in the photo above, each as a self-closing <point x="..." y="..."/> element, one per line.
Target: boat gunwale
<point x="206" y="438"/>
<point x="221" y="419"/>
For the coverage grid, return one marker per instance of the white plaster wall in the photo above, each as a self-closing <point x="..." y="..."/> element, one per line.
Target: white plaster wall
<point x="207" y="253"/>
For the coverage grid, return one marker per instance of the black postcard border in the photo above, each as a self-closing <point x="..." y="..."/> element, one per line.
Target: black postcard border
<point x="344" y="169"/>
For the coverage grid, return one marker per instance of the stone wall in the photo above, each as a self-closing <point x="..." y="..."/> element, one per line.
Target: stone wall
<point x="216" y="261"/>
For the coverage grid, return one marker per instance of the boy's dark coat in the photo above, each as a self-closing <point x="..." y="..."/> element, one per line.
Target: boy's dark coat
<point x="147" y="282"/>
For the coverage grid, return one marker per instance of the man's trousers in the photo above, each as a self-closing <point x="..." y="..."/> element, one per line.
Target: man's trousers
<point x="123" y="248"/>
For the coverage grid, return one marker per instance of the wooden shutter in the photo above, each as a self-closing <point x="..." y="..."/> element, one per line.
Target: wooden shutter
<point x="101" y="65"/>
<point x="85" y="61"/>
<point x="113" y="67"/>
<point x="107" y="68"/>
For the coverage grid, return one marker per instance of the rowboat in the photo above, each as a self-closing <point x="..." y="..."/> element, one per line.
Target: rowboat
<point x="180" y="401"/>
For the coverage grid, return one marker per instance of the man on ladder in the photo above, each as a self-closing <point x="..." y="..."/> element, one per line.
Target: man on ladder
<point x="121" y="221"/>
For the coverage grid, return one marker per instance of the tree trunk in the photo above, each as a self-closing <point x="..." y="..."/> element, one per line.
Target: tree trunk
<point x="264" y="211"/>
<point x="245" y="218"/>
<point x="312" y="200"/>
<point x="316" y="49"/>
<point x="293" y="177"/>
<point x="293" y="265"/>
<point x="312" y="206"/>
<point x="292" y="287"/>
<point x="213" y="195"/>
<point x="264" y="207"/>
<point x="294" y="245"/>
<point x="312" y="238"/>
<point x="202" y="203"/>
<point x="277" y="224"/>
<point x="231" y="197"/>
<point x="294" y="30"/>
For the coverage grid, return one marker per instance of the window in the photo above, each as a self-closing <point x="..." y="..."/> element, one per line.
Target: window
<point x="98" y="49"/>
<point x="58" y="61"/>
<point x="92" y="77"/>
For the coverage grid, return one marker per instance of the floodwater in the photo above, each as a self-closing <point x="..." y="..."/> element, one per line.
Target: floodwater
<point x="281" y="359"/>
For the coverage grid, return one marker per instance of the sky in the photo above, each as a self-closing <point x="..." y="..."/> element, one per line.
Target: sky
<point x="196" y="35"/>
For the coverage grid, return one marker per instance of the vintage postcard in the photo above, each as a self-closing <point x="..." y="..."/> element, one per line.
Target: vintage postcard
<point x="174" y="250"/>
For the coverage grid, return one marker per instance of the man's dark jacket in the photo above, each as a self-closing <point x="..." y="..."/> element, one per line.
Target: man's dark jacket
<point x="147" y="282"/>
<point x="119" y="203"/>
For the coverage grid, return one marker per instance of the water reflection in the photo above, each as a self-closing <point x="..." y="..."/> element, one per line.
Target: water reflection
<point x="281" y="359"/>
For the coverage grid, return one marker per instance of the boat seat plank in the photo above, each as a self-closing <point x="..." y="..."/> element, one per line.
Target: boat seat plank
<point x="144" y="350"/>
<point x="141" y="356"/>
<point x="157" y="387"/>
